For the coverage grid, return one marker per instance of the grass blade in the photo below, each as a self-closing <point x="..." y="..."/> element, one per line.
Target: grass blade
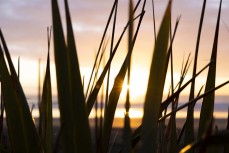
<point x="93" y="95"/>
<point x="189" y="131"/>
<point x="126" y="145"/>
<point x="111" y="48"/>
<point x="83" y="136"/>
<point x="194" y="100"/>
<point x="162" y="138"/>
<point x="207" y="108"/>
<point x="63" y="83"/>
<point x="126" y="148"/>
<point x="20" y="138"/>
<point x="100" y="46"/>
<point x="15" y="139"/>
<point x="46" y="112"/>
<point x="11" y="85"/>
<point x="154" y="23"/>
<point x="184" y="126"/>
<point x="220" y="138"/>
<point x="165" y="104"/>
<point x="116" y="90"/>
<point x="98" y="65"/>
<point x="155" y="88"/>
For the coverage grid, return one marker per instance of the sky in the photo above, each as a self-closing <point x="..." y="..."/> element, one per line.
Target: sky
<point x="24" y="26"/>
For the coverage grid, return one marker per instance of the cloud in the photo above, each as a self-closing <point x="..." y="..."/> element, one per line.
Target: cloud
<point x="24" y="22"/>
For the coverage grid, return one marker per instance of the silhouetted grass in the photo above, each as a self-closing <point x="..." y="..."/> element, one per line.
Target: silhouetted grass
<point x="153" y="135"/>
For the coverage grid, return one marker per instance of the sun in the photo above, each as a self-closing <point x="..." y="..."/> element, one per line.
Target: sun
<point x="137" y="86"/>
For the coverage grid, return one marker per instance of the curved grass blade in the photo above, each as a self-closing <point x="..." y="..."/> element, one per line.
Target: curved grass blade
<point x="46" y="112"/>
<point x="45" y="108"/>
<point x="116" y="90"/>
<point x="184" y="127"/>
<point x="111" y="48"/>
<point x="93" y="95"/>
<point x="30" y="136"/>
<point x="173" y="141"/>
<point x="220" y="138"/>
<point x="154" y="23"/>
<point x="137" y="132"/>
<point x="100" y="46"/>
<point x="11" y="100"/>
<point x="189" y="131"/>
<point x="155" y="88"/>
<point x="63" y="83"/>
<point x="99" y="63"/>
<point x="207" y="108"/>
<point x="164" y="105"/>
<point x="19" y="132"/>
<point x="194" y="100"/>
<point x="81" y="123"/>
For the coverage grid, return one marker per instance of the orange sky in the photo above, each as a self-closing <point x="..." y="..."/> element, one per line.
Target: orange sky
<point x="24" y="26"/>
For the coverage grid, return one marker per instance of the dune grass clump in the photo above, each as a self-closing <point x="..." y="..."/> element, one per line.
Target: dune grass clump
<point x="153" y="135"/>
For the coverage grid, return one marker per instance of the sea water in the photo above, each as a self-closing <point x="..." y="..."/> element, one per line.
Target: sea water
<point x="136" y="112"/>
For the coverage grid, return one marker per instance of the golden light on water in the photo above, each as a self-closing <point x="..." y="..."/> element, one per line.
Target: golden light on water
<point x="136" y="113"/>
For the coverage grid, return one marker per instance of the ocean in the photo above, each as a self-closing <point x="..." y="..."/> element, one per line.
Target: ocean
<point x="136" y="111"/>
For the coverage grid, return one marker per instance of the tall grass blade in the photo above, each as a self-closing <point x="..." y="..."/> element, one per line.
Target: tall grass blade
<point x="171" y="56"/>
<point x="100" y="46"/>
<point x="173" y="141"/>
<point x="126" y="145"/>
<point x="127" y="129"/>
<point x="111" y="48"/>
<point x="189" y="131"/>
<point x="116" y="90"/>
<point x="98" y="65"/>
<point x="46" y="112"/>
<point x="81" y="123"/>
<point x="149" y="137"/>
<point x="154" y="23"/>
<point x="66" y="107"/>
<point x="207" y="108"/>
<point x="165" y="104"/>
<point x="92" y="97"/>
<point x="24" y="136"/>
<point x="184" y="126"/>
<point x="162" y="138"/>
